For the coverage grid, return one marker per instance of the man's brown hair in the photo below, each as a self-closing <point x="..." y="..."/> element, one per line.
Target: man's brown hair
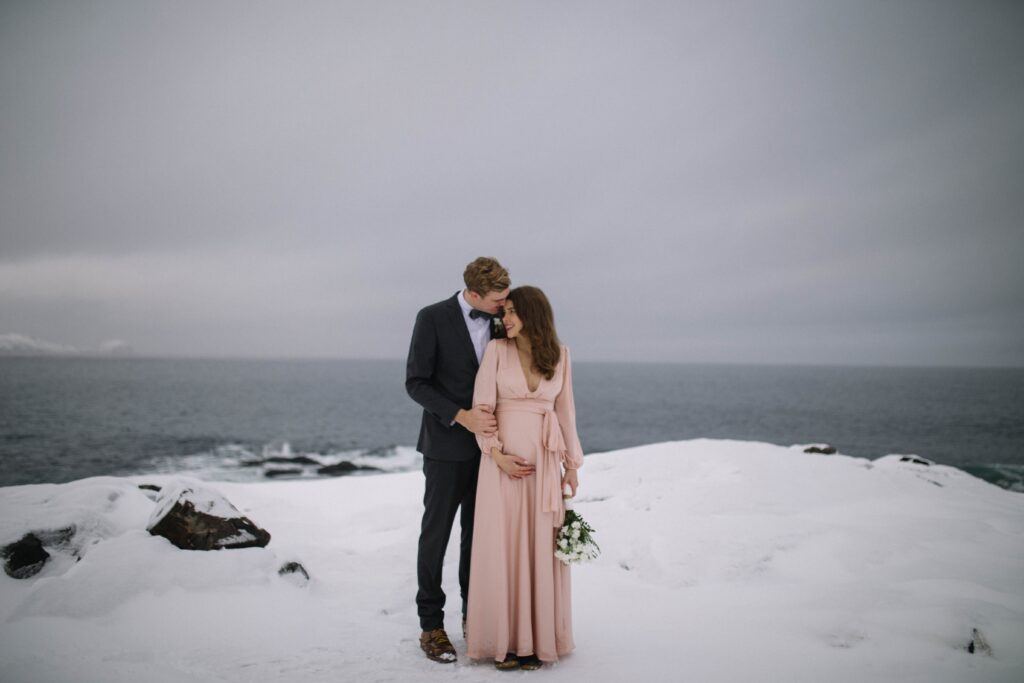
<point x="485" y="275"/>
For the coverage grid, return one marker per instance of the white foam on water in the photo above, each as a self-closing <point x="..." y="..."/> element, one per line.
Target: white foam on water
<point x="237" y="463"/>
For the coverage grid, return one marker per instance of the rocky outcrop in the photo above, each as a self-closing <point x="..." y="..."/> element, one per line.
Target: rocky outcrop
<point x="824" y="449"/>
<point x="196" y="518"/>
<point x="283" y="473"/>
<point x="913" y="459"/>
<point x="344" y="467"/>
<point x="285" y="460"/>
<point x="25" y="557"/>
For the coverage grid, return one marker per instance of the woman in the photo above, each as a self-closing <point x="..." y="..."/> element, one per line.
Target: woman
<point x="520" y="611"/>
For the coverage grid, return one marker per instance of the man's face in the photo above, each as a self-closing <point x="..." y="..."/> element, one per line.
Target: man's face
<point x="490" y="303"/>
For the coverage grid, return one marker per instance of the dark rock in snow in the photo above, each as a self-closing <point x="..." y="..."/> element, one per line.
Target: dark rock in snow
<point x="149" y="487"/>
<point x="916" y="460"/>
<point x="24" y="557"/>
<point x="824" y="449"/>
<point x="978" y="644"/>
<point x="297" y="460"/>
<point x="293" y="568"/>
<point x="294" y="573"/>
<point x="193" y="518"/>
<point x="282" y="473"/>
<point x="344" y="467"/>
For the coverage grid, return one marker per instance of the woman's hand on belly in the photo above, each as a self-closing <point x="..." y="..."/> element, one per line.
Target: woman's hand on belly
<point x="512" y="465"/>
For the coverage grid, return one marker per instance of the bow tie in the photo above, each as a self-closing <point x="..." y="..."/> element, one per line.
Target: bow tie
<point x="475" y="314"/>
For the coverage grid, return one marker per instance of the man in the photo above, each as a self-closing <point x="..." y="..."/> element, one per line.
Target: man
<point x="447" y="345"/>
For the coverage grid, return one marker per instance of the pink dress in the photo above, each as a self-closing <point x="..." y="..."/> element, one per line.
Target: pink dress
<point x="519" y="594"/>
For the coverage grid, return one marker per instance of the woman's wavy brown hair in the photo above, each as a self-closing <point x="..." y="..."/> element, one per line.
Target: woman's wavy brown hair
<point x="534" y="310"/>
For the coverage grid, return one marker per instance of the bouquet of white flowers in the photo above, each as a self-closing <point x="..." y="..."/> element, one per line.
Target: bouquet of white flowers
<point x="574" y="543"/>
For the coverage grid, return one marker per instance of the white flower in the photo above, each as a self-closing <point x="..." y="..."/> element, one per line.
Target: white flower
<point x="573" y="543"/>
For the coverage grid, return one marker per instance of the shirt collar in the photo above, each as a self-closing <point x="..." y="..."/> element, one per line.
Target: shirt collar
<point x="466" y="308"/>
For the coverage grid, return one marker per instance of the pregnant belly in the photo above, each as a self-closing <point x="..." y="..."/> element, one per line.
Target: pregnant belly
<point x="520" y="433"/>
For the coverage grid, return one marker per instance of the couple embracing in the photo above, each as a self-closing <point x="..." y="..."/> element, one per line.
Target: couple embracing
<point x="499" y="441"/>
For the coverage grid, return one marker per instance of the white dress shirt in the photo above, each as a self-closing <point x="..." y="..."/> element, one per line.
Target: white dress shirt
<point x="479" y="329"/>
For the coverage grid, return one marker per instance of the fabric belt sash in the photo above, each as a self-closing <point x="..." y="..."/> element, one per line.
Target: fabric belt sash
<point x="553" y="452"/>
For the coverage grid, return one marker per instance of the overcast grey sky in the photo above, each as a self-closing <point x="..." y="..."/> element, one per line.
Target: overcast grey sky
<point x="791" y="182"/>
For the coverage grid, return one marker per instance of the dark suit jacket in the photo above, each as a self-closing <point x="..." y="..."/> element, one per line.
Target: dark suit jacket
<point x="439" y="375"/>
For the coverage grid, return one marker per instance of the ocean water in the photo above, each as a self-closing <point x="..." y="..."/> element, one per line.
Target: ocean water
<point x="68" y="418"/>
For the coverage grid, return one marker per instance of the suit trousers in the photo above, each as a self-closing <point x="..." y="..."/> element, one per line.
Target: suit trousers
<point x="448" y="486"/>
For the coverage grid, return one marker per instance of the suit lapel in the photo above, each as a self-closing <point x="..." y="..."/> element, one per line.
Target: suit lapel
<point x="458" y="323"/>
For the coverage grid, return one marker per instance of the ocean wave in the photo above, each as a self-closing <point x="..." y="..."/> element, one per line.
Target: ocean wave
<point x="277" y="460"/>
<point x="1003" y="475"/>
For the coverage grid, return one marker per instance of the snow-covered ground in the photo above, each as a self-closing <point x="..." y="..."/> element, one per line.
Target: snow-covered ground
<point x="723" y="561"/>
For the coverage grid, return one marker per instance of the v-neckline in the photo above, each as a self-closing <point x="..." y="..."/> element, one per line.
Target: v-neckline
<point x="522" y="371"/>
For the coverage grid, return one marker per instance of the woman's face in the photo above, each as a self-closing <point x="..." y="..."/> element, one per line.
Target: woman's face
<point x="513" y="325"/>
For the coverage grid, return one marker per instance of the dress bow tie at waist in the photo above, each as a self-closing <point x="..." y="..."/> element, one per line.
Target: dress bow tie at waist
<point x="549" y="464"/>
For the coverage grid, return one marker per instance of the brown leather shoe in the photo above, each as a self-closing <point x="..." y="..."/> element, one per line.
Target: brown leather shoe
<point x="529" y="663"/>
<point x="437" y="646"/>
<point x="510" y="663"/>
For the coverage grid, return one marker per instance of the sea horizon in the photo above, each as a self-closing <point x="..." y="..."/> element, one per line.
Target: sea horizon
<point x="99" y="355"/>
<point x="68" y="417"/>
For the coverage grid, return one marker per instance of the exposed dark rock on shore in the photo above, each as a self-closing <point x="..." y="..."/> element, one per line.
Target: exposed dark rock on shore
<point x="25" y="557"/>
<point x="194" y="519"/>
<point x="301" y="465"/>
<point x="296" y="460"/>
<point x="344" y="467"/>
<point x="282" y="473"/>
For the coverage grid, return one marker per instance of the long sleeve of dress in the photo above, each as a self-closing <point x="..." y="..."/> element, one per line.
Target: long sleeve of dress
<point x="565" y="410"/>
<point x="485" y="393"/>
